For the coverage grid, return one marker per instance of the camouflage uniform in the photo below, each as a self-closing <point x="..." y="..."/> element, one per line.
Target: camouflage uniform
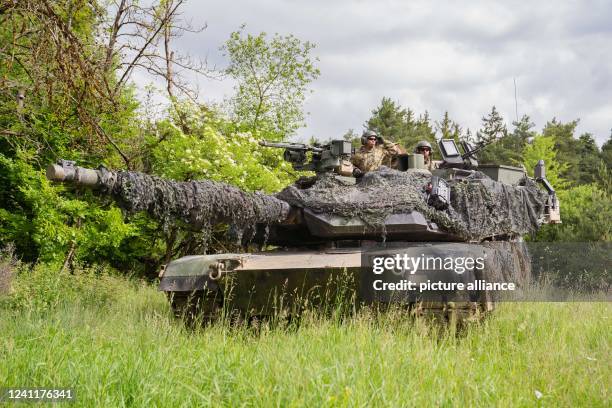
<point x="430" y="164"/>
<point x="380" y="155"/>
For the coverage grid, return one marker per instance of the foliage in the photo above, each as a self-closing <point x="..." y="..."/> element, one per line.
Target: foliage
<point x="606" y="153"/>
<point x="493" y="127"/>
<point x="272" y="80"/>
<point x="565" y="144"/>
<point x="37" y="212"/>
<point x="218" y="150"/>
<point x="449" y="129"/>
<point x="585" y="210"/>
<point x="400" y="125"/>
<point x="41" y="288"/>
<point x="588" y="159"/>
<point x="73" y="118"/>
<point x="59" y="115"/>
<point x="502" y="147"/>
<point x="586" y="214"/>
<point x="508" y="148"/>
<point x="543" y="148"/>
<point x="8" y="265"/>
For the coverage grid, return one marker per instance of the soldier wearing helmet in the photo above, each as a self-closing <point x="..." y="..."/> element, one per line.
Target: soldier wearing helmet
<point x="374" y="152"/>
<point x="424" y="148"/>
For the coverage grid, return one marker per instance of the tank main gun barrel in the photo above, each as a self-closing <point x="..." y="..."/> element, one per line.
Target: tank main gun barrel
<point x="66" y="171"/>
<point x="199" y="204"/>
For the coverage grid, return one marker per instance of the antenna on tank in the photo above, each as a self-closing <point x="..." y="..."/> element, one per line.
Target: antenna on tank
<point x="515" y="100"/>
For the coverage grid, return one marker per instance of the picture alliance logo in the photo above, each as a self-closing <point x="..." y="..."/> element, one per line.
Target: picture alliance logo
<point x="402" y="263"/>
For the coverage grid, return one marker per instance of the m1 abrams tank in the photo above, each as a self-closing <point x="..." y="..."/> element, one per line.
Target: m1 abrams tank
<point x="323" y="235"/>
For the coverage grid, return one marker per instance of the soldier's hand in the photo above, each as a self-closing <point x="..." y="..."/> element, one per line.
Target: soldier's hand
<point x="357" y="173"/>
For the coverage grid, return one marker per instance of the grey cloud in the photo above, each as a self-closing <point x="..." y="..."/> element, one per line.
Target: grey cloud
<point x="435" y="56"/>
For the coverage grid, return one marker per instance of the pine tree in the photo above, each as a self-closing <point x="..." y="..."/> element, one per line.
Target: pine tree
<point x="495" y="133"/>
<point x="449" y="129"/>
<point x="566" y="146"/>
<point x="445" y="127"/>
<point x="493" y="127"/>
<point x="606" y="153"/>
<point x="398" y="124"/>
<point x="522" y="128"/>
<point x="588" y="159"/>
<point x="388" y="119"/>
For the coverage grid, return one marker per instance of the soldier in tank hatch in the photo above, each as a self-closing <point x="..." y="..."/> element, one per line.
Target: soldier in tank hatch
<point x="374" y="152"/>
<point x="424" y="148"/>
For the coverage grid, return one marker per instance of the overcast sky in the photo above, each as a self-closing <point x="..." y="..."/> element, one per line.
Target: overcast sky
<point x="459" y="56"/>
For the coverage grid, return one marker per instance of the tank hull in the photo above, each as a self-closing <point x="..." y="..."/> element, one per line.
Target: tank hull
<point x="287" y="282"/>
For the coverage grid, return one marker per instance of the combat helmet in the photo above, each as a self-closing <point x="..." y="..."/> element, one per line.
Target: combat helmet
<point x="421" y="144"/>
<point x="367" y="134"/>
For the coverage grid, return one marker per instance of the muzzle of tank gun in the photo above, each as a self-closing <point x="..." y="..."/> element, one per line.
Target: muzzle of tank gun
<point x="66" y="171"/>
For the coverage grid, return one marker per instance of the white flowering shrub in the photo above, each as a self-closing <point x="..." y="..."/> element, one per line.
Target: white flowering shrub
<point x="208" y="146"/>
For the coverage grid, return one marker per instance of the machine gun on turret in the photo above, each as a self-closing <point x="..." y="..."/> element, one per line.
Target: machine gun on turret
<point x="331" y="157"/>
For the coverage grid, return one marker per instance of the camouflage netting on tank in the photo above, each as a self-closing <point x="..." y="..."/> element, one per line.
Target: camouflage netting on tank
<point x="201" y="204"/>
<point x="480" y="207"/>
<point x="487" y="208"/>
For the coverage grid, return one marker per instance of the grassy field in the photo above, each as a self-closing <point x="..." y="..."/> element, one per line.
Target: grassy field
<point x="114" y="340"/>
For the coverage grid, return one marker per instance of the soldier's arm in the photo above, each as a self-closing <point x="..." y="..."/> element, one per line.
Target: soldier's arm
<point x="390" y="147"/>
<point x="356" y="159"/>
<point x="357" y="162"/>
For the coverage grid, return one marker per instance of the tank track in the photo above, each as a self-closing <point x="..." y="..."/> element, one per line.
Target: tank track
<point x="452" y="312"/>
<point x="200" y="306"/>
<point x="203" y="307"/>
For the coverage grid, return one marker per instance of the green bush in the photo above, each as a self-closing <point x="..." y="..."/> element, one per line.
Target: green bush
<point x="586" y="215"/>
<point x="44" y="222"/>
<point x="45" y="287"/>
<point x="216" y="149"/>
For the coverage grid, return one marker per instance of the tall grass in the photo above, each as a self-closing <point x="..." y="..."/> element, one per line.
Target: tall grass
<point x="8" y="265"/>
<point x="115" y="341"/>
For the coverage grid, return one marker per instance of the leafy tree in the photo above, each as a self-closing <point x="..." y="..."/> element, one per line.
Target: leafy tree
<point x="66" y="62"/>
<point x="586" y="214"/>
<point x="504" y="147"/>
<point x="604" y="177"/>
<point x="543" y="148"/>
<point x="216" y="149"/>
<point x="272" y="78"/>
<point x="353" y="137"/>
<point x="585" y="209"/>
<point x="509" y="147"/>
<point x="64" y="110"/>
<point x="423" y="130"/>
